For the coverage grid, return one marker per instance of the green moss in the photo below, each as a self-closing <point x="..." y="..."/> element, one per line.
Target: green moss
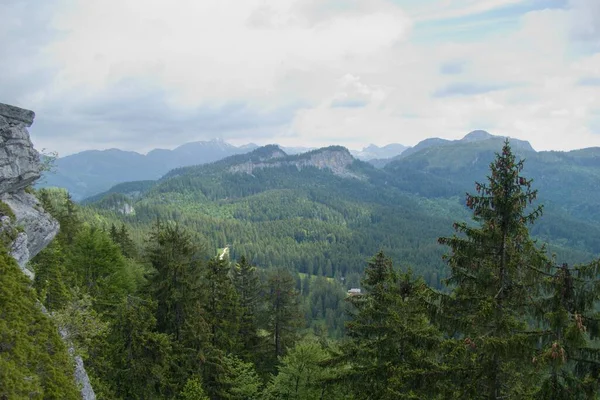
<point x="5" y="210"/>
<point x="34" y="362"/>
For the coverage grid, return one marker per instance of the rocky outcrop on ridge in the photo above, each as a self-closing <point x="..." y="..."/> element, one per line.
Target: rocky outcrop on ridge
<point x="23" y="222"/>
<point x="335" y="158"/>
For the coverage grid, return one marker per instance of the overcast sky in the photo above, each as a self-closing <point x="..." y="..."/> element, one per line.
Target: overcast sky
<point x="141" y="74"/>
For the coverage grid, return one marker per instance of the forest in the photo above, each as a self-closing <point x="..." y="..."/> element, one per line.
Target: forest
<point x="157" y="312"/>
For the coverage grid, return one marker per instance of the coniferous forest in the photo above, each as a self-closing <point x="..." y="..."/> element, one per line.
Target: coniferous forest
<point x="167" y="317"/>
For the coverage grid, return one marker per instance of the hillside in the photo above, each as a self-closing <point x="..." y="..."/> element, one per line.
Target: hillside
<point x="324" y="212"/>
<point x="90" y="172"/>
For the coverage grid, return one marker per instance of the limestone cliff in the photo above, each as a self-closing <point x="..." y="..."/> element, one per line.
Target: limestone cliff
<point x="335" y="158"/>
<point x="25" y="225"/>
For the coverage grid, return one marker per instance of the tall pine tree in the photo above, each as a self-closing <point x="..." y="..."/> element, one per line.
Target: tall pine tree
<point x="496" y="275"/>
<point x="248" y="288"/>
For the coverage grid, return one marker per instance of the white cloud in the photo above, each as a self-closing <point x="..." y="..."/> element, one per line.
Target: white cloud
<point x="306" y="72"/>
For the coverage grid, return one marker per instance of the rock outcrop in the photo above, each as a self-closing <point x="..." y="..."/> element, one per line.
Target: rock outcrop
<point x="28" y="227"/>
<point x="335" y="158"/>
<point x="19" y="168"/>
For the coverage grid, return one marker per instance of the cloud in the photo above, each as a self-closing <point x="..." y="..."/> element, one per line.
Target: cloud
<point x="139" y="74"/>
<point x="133" y="116"/>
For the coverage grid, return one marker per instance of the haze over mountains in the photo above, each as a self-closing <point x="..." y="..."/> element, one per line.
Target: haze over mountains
<point x="91" y="172"/>
<point x="285" y="209"/>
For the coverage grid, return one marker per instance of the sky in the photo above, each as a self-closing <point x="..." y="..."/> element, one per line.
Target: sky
<point x="144" y="74"/>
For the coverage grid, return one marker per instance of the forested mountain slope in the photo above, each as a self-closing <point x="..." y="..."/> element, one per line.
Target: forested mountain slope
<point x="324" y="212"/>
<point x="90" y="172"/>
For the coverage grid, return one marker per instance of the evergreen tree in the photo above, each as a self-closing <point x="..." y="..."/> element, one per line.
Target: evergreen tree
<point x="221" y="312"/>
<point x="34" y="362"/>
<point x="222" y="305"/>
<point x="51" y="278"/>
<point x="496" y="272"/>
<point x="569" y="358"/>
<point x="283" y="312"/>
<point x="239" y="380"/>
<point x="121" y="238"/>
<point x="248" y="288"/>
<point x="174" y="281"/>
<point x="99" y="269"/>
<point x="391" y="352"/>
<point x="193" y="390"/>
<point x="139" y="355"/>
<point x="69" y="220"/>
<point x="304" y="375"/>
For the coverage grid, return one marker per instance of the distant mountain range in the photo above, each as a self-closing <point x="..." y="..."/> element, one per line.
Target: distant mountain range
<point x="91" y="172"/>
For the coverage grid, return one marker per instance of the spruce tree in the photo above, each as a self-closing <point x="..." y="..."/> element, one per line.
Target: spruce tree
<point x="222" y="305"/>
<point x="139" y="356"/>
<point x="248" y="288"/>
<point x="391" y="351"/>
<point x="496" y="272"/>
<point x="173" y="283"/>
<point x="221" y="313"/>
<point x="569" y="357"/>
<point x="283" y="312"/>
<point x="51" y="278"/>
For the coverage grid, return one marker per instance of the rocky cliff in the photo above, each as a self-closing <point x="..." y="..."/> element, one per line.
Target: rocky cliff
<point x="25" y="226"/>
<point x="335" y="158"/>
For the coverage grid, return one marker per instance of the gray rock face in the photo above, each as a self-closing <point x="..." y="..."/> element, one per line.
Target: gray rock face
<point x="335" y="160"/>
<point x="39" y="228"/>
<point x="33" y="228"/>
<point x="82" y="378"/>
<point x="19" y="161"/>
<point x="17" y="114"/>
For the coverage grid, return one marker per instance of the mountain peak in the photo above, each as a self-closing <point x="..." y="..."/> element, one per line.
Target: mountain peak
<point x="477" y="135"/>
<point x="268" y="152"/>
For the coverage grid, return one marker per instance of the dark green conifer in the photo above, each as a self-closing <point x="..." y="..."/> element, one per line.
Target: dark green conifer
<point x="392" y="348"/>
<point x="496" y="272"/>
<point x="569" y="358"/>
<point x="283" y="311"/>
<point x="248" y="288"/>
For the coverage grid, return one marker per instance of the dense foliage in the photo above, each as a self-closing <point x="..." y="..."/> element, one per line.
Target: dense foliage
<point x="157" y="312"/>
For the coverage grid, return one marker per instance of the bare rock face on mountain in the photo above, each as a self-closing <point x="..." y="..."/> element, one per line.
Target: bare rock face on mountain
<point x="20" y="167"/>
<point x="23" y="222"/>
<point x="335" y="158"/>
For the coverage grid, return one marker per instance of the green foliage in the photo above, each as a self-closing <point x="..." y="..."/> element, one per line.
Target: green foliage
<point x="496" y="272"/>
<point x="81" y="324"/>
<point x="193" y="390"/>
<point x="569" y="355"/>
<point x="6" y="211"/>
<point x="34" y="363"/>
<point x="239" y="380"/>
<point x="138" y="357"/>
<point x="99" y="268"/>
<point x="171" y="253"/>
<point x="51" y="277"/>
<point x="392" y="348"/>
<point x="303" y="375"/>
<point x="222" y="307"/>
<point x="168" y="322"/>
<point x="248" y="287"/>
<point x="282" y="311"/>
